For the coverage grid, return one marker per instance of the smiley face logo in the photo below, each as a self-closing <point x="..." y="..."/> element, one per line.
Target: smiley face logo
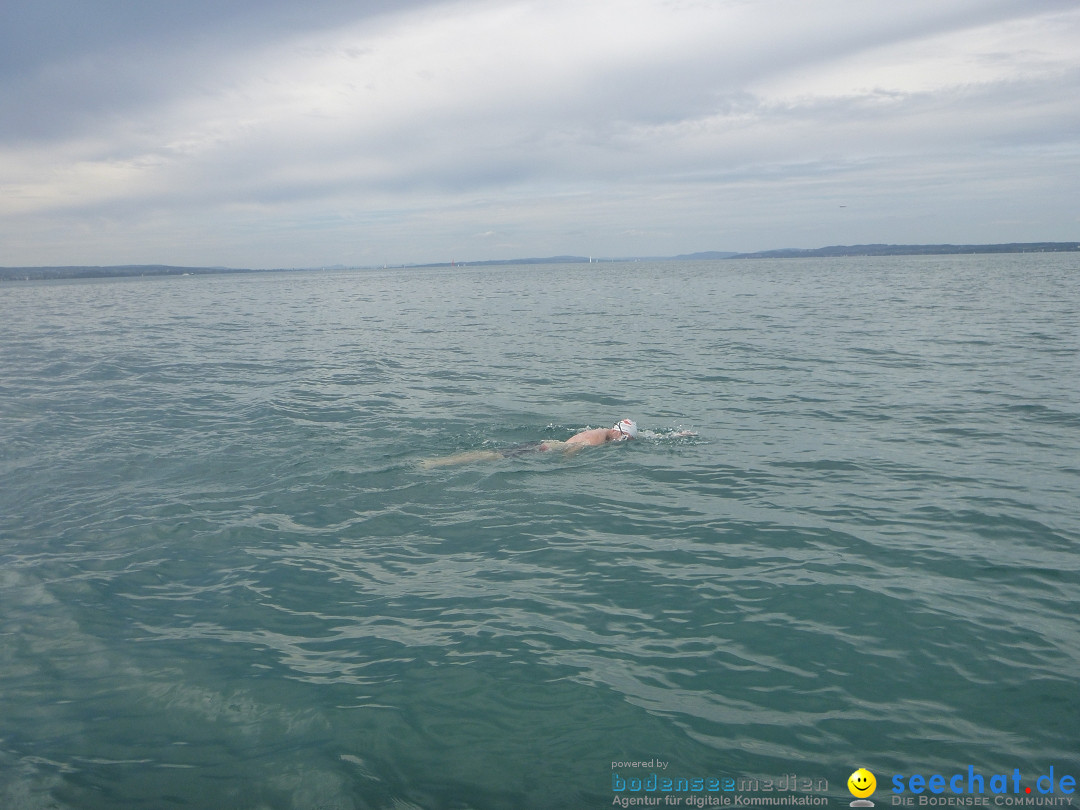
<point x="861" y="783"/>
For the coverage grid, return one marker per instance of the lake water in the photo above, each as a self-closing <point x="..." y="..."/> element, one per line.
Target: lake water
<point x="228" y="581"/>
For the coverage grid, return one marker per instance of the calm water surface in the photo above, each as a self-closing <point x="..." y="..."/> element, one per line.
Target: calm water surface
<point x="228" y="581"/>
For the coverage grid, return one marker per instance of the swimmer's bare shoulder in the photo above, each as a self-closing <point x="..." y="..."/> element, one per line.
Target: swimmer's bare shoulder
<point x="593" y="437"/>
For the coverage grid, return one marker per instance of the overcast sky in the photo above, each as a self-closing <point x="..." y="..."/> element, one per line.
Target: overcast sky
<point x="272" y="133"/>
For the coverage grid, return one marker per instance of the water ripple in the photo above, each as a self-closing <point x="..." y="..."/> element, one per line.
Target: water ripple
<point x="226" y="580"/>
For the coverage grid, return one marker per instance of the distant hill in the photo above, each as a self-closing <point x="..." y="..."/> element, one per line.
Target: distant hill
<point x="910" y="250"/>
<point x="497" y="262"/>
<point x="110" y="272"/>
<point x="708" y="254"/>
<point x="20" y="273"/>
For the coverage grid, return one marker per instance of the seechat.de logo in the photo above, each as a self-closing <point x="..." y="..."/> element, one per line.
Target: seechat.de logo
<point x="1002" y="786"/>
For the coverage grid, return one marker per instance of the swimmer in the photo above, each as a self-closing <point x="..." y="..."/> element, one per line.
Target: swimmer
<point x="622" y="431"/>
<point x="626" y="429"/>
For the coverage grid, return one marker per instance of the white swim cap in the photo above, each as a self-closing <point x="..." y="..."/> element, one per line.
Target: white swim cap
<point x="627" y="428"/>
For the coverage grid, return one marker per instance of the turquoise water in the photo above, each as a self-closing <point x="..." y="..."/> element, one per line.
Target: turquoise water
<point x="228" y="581"/>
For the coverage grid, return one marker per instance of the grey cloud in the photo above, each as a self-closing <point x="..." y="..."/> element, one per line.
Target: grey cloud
<point x="65" y="64"/>
<point x="250" y="119"/>
<point x="44" y="31"/>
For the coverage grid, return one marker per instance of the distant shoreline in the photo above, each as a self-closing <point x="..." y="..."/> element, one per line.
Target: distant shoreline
<point x="912" y="250"/>
<point x="834" y="251"/>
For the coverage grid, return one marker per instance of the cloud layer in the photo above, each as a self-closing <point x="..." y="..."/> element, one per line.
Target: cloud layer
<point x="258" y="134"/>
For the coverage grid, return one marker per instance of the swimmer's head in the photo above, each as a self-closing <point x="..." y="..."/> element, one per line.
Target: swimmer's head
<point x="627" y="428"/>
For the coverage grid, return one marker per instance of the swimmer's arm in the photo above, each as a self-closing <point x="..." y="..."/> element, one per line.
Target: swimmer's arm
<point x="469" y="457"/>
<point x="568" y="448"/>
